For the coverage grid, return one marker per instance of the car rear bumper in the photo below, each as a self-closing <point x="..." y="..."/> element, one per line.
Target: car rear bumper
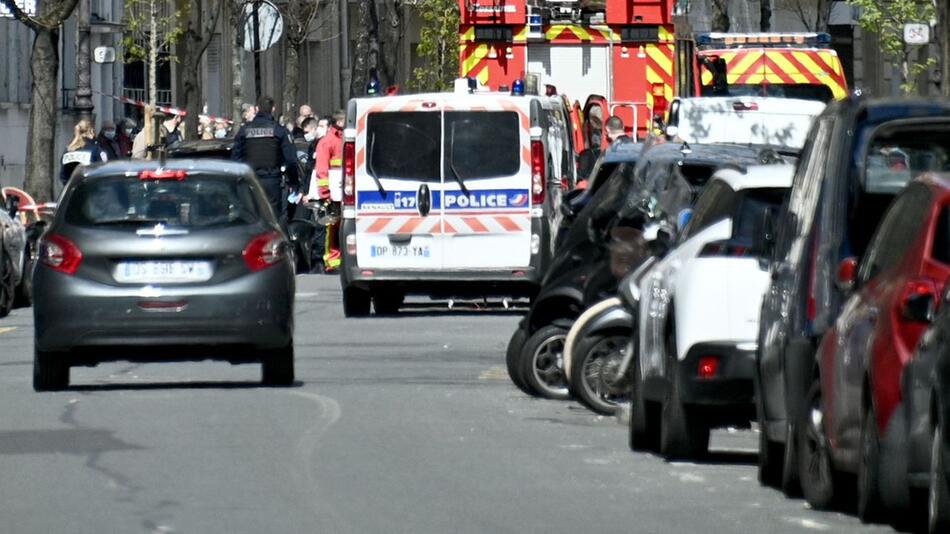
<point x="732" y="384"/>
<point x="523" y="282"/>
<point x="255" y="310"/>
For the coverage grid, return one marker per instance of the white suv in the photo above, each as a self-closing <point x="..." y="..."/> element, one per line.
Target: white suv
<point x="699" y="312"/>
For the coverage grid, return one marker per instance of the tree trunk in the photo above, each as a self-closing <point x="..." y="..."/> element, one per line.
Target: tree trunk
<point x="765" y="15"/>
<point x="237" y="60"/>
<point x="720" y="15"/>
<point x="393" y="32"/>
<point x="40" y="167"/>
<point x="291" y="77"/>
<point x="822" y="15"/>
<point x="361" y="64"/>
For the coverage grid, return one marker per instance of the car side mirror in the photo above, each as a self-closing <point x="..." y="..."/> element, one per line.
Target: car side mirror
<point x="847" y="275"/>
<point x="918" y="307"/>
<point x="13" y="205"/>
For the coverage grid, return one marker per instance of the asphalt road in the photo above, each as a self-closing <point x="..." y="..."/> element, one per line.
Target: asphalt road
<point x="405" y="424"/>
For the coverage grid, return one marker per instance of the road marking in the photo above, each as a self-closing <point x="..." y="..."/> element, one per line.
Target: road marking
<point x="5" y="329"/>
<point x="495" y="373"/>
<point x="807" y="523"/>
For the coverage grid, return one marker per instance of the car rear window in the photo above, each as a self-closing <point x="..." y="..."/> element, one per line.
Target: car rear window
<point x="896" y="155"/>
<point x="194" y="202"/>
<point x="482" y="144"/>
<point x="752" y="208"/>
<point x="477" y="144"/>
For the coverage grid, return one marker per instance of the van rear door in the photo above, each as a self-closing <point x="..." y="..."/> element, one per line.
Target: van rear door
<point x="399" y="188"/>
<point x="486" y="180"/>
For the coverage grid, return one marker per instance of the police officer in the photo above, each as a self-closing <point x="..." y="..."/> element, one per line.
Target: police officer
<point x="266" y="146"/>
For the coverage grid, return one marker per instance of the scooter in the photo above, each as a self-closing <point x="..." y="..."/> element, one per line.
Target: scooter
<point x="302" y="229"/>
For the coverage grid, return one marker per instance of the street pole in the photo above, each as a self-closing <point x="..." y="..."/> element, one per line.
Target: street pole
<point x="256" y="22"/>
<point x="345" y="73"/>
<point x="83" y="100"/>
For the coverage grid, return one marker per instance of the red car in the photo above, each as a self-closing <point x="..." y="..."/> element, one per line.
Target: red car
<point x="853" y="425"/>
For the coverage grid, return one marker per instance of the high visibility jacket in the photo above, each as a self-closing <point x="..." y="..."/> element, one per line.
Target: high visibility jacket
<point x="330" y="165"/>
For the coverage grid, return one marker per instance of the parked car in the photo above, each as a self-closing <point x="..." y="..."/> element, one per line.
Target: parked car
<point x="14" y="258"/>
<point x="599" y="250"/>
<point x="843" y="184"/>
<point x="698" y="312"/>
<point x="145" y="262"/>
<point x="854" y="422"/>
<point x="925" y="409"/>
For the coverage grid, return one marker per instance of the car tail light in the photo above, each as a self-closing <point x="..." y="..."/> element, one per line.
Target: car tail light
<point x="537" y="173"/>
<point x="708" y="367"/>
<point x="59" y="253"/>
<point x="725" y="248"/>
<point x="349" y="173"/>
<point x="163" y="174"/>
<point x="265" y="250"/>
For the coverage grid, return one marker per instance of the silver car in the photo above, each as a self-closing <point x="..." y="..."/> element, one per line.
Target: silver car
<point x="147" y="263"/>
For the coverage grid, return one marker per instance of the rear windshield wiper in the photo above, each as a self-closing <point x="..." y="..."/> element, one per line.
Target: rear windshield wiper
<point x="116" y="222"/>
<point x="455" y="172"/>
<point x="369" y="166"/>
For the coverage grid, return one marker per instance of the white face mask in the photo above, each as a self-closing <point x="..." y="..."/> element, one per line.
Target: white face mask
<point x="220" y="134"/>
<point x="310" y="136"/>
<point x="321" y="131"/>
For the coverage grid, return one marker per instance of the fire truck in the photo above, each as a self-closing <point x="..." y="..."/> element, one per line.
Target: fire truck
<point x="792" y="65"/>
<point x="616" y="56"/>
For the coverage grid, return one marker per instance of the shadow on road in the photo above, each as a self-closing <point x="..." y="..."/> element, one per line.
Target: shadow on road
<point x="467" y="308"/>
<point x="728" y="457"/>
<point x="133" y="386"/>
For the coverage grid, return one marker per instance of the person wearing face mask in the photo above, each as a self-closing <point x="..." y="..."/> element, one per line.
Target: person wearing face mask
<point x="323" y="125"/>
<point x="125" y="134"/>
<point x="82" y="150"/>
<point x="108" y="144"/>
<point x="220" y="129"/>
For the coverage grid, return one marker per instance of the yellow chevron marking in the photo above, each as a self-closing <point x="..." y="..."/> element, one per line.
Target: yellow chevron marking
<point x="744" y="63"/>
<point x="837" y="91"/>
<point x="468" y="35"/>
<point x="481" y="51"/>
<point x="522" y="35"/>
<point x="556" y="30"/>
<point x="665" y="35"/>
<point x="786" y="66"/>
<point x="832" y="60"/>
<point x="483" y="76"/>
<point x="660" y="58"/>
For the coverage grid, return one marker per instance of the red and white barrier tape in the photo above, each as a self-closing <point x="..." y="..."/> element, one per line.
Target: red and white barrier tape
<point x="163" y="109"/>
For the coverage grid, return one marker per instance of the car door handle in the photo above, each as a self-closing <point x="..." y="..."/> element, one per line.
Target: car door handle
<point x="400" y="239"/>
<point x="424" y="200"/>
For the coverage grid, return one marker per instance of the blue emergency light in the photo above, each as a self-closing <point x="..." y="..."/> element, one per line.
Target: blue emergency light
<point x="517" y="87"/>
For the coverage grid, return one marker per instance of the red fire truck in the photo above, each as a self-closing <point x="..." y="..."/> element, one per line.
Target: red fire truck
<point x="614" y="55"/>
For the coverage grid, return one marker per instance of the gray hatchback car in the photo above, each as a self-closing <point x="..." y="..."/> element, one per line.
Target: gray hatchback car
<point x="150" y="263"/>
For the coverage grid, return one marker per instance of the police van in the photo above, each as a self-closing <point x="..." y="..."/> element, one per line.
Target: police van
<point x="451" y="194"/>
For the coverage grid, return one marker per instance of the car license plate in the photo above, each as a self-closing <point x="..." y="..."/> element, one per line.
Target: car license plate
<point x="151" y="272"/>
<point x="400" y="251"/>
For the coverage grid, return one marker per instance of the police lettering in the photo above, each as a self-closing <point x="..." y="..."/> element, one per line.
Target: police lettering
<point x="477" y="200"/>
<point x="259" y="132"/>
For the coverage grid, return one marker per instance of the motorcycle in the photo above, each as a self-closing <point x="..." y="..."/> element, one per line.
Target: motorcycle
<point x="303" y="227"/>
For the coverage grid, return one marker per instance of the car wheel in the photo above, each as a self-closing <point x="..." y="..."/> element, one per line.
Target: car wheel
<point x="7" y="287"/>
<point x="594" y="378"/>
<point x="387" y="303"/>
<point x="938" y="494"/>
<point x="543" y="363"/>
<point x="24" y="290"/>
<point x="771" y="455"/>
<point x="277" y="366"/>
<point x="869" y="502"/>
<point x="50" y="370"/>
<point x="513" y="360"/>
<point x="356" y="302"/>
<point x="644" y="416"/>
<point x="683" y="434"/>
<point x="815" y="470"/>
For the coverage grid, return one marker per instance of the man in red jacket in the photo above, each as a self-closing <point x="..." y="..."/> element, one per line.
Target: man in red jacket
<point x="329" y="173"/>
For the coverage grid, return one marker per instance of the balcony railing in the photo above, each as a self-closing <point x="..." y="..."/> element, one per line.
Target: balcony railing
<point x="164" y="95"/>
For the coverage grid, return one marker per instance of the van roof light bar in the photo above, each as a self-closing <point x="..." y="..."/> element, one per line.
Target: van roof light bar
<point x="786" y="39"/>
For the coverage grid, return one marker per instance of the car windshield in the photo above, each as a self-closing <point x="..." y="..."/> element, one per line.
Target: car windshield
<point x="196" y="201"/>
<point x="820" y="93"/>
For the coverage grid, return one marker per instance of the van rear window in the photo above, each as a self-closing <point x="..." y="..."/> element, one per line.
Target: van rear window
<point x="409" y="145"/>
<point x="195" y="202"/>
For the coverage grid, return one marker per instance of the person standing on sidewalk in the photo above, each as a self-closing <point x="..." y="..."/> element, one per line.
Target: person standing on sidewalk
<point x="109" y="149"/>
<point x="82" y="150"/>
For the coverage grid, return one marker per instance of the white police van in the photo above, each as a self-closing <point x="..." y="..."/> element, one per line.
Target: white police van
<point x="450" y="195"/>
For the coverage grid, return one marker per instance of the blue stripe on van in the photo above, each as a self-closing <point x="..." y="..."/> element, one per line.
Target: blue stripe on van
<point x="479" y="199"/>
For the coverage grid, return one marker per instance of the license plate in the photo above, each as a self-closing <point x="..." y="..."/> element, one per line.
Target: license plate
<point x="400" y="251"/>
<point x="150" y="272"/>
